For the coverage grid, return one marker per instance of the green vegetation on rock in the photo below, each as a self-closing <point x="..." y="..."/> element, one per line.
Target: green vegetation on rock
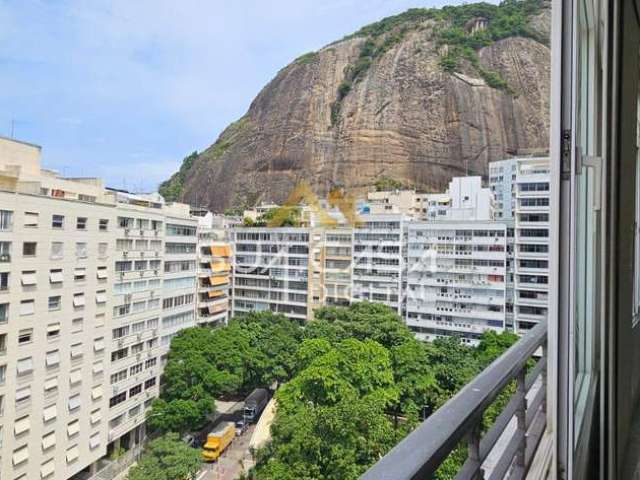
<point x="172" y="189"/>
<point x="507" y="19"/>
<point x="386" y="184"/>
<point x="307" y="58"/>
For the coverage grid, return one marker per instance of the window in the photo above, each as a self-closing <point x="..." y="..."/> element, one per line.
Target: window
<point x="4" y="312"/>
<point x="76" y="325"/>
<point x="53" y="330"/>
<point x="119" y="354"/>
<point x="81" y="250"/>
<point x="6" y="220"/>
<point x="150" y="363"/>
<point x="115" y="400"/>
<point x="48" y="468"/>
<point x="57" y="250"/>
<point x="30" y="219"/>
<point x="119" y="376"/>
<point x="23" y="394"/>
<point x="95" y="417"/>
<point x="135" y="390"/>
<point x="76" y="351"/>
<point x="103" y="225"/>
<point x="137" y="348"/>
<point x="50" y="412"/>
<point x="81" y="223"/>
<point x="3" y="373"/>
<point x="98" y="344"/>
<point x="150" y="383"/>
<point x="25" y="336"/>
<point x="121" y="331"/>
<point x="4" y="281"/>
<point x="96" y="393"/>
<point x="101" y="297"/>
<point x="57" y="221"/>
<point x="52" y="358"/>
<point x="56" y="275"/>
<point x="28" y="278"/>
<point x="94" y="441"/>
<point x="79" y="274"/>
<point x="5" y="251"/>
<point x="78" y="300"/>
<point x="27" y="307"/>
<point x="98" y="367"/>
<point x="51" y="385"/>
<point x="101" y="273"/>
<point x="72" y="454"/>
<point x="22" y="425"/>
<point x="48" y="441"/>
<point x="74" y="402"/>
<point x="99" y="320"/>
<point x="75" y="377"/>
<point x="3" y="343"/>
<point x="29" y="249"/>
<point x="20" y="455"/>
<point x="25" y="366"/>
<point x="54" y="302"/>
<point x="136" y="369"/>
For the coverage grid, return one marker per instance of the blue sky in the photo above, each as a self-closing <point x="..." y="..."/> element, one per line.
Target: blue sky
<point x="124" y="89"/>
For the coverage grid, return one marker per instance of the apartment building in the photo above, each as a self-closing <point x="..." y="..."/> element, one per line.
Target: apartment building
<point x="531" y="266"/>
<point x="455" y="280"/>
<point x="337" y="266"/>
<point x="377" y="260"/>
<point x="502" y="180"/>
<point x="271" y="271"/>
<point x="57" y="239"/>
<point x="215" y="259"/>
<point x="94" y="283"/>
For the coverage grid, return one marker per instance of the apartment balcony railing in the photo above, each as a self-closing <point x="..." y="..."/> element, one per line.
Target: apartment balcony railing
<point x="519" y="426"/>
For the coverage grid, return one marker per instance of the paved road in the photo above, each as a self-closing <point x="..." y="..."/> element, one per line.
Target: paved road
<point x="230" y="464"/>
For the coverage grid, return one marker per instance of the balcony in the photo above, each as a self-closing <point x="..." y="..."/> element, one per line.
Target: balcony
<point x="507" y="448"/>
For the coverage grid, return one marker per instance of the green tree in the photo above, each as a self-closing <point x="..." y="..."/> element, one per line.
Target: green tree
<point x="167" y="458"/>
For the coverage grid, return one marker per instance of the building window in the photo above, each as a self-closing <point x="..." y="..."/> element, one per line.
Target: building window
<point x="24" y="366"/>
<point x="53" y="330"/>
<point x="52" y="358"/>
<point x="57" y="250"/>
<point x="135" y="390"/>
<point x="76" y="325"/>
<point x="81" y="250"/>
<point x="102" y="249"/>
<point x="25" y="336"/>
<point x="54" y="302"/>
<point x="30" y="219"/>
<point x="6" y="220"/>
<point x="115" y="400"/>
<point x="76" y="351"/>
<point x="57" y="221"/>
<point x="79" y="274"/>
<point x="150" y="383"/>
<point x="3" y="374"/>
<point x="5" y="252"/>
<point x="119" y="354"/>
<point x="81" y="223"/>
<point x="29" y="249"/>
<point x="27" y="307"/>
<point x="4" y="312"/>
<point x="78" y="300"/>
<point x="3" y="344"/>
<point x="55" y="275"/>
<point x="74" y="402"/>
<point x="103" y="226"/>
<point x="4" y="281"/>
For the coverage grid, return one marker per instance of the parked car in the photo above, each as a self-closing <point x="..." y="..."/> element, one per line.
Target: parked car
<point x="241" y="427"/>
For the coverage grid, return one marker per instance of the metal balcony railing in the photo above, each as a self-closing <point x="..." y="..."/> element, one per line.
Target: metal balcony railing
<point x="507" y="448"/>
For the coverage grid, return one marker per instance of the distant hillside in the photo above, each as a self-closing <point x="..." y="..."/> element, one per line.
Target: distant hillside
<point x="417" y="98"/>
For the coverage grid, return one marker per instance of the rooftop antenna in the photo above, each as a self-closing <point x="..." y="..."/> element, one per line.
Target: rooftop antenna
<point x="13" y="124"/>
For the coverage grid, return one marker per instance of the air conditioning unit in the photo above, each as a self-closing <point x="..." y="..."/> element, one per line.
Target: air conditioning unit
<point x="126" y="232"/>
<point x="138" y="356"/>
<point x="156" y="232"/>
<point x="141" y="254"/>
<point x="121" y="342"/>
<point x="141" y="232"/>
<point x="128" y="297"/>
<point x="116" y="389"/>
<point x="155" y="272"/>
<point x="152" y="293"/>
<point x="5" y="257"/>
<point x="155" y="332"/>
<point x="121" y="275"/>
<point x="157" y="253"/>
<point x="125" y="254"/>
<point x="139" y="336"/>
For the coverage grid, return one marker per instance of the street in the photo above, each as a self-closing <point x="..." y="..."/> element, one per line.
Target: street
<point x="229" y="465"/>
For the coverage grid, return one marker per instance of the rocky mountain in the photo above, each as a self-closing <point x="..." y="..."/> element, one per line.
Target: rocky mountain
<point x="415" y="98"/>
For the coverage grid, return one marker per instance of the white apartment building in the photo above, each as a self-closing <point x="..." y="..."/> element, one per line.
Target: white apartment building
<point x="56" y="274"/>
<point x="502" y="180"/>
<point x="89" y="289"/>
<point x="455" y="280"/>
<point x="377" y="260"/>
<point x="271" y="271"/>
<point x="531" y="266"/>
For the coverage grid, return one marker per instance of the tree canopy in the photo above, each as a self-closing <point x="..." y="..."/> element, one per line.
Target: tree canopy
<point x="167" y="458"/>
<point x="353" y="382"/>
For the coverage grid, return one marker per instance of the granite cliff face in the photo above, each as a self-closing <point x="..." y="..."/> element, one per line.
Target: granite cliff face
<point x="417" y="98"/>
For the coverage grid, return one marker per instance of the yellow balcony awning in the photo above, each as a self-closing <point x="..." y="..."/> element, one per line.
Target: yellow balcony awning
<point x="220" y="267"/>
<point x="215" y="281"/>
<point x="217" y="308"/>
<point x="221" y="250"/>
<point x="216" y="293"/>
